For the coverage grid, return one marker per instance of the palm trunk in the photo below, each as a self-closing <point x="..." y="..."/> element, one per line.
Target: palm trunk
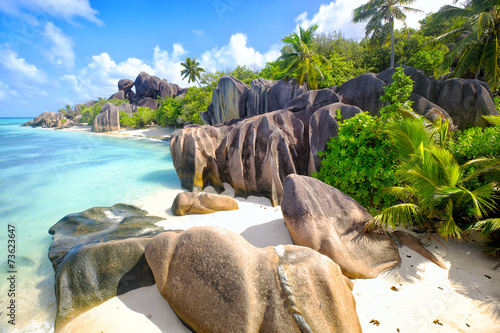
<point x="392" y="41"/>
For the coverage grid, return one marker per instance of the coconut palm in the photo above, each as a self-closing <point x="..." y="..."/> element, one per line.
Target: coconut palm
<point x="299" y="57"/>
<point x="191" y="70"/>
<point x="477" y="31"/>
<point x="436" y="191"/>
<point x="380" y="15"/>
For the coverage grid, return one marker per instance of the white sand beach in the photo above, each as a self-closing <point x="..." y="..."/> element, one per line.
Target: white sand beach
<point x="417" y="297"/>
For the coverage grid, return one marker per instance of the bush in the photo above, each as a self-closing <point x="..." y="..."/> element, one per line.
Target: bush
<point x="89" y="113"/>
<point x="361" y="161"/>
<point x="397" y="95"/>
<point x="143" y="117"/>
<point x="477" y="142"/>
<point x="168" y="112"/>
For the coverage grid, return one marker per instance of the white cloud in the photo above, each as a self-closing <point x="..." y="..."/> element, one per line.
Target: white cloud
<point x="66" y="9"/>
<point x="237" y="53"/>
<point x="337" y="16"/>
<point x="168" y="66"/>
<point x="100" y="77"/>
<point x="21" y="70"/>
<point x="199" y="33"/>
<point x="61" y="50"/>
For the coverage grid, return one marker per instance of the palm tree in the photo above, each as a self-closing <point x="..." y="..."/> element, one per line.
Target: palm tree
<point x="477" y="30"/>
<point x="299" y="57"/>
<point x="381" y="15"/>
<point x="436" y="191"/>
<point x="191" y="70"/>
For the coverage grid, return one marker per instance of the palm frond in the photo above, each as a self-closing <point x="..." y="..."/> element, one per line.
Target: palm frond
<point x="447" y="226"/>
<point x="487" y="226"/>
<point x="493" y="119"/>
<point x="404" y="214"/>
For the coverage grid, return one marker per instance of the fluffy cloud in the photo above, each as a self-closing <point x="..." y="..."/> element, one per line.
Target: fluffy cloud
<point x="237" y="53"/>
<point x="67" y="9"/>
<point x="100" y="77"/>
<point x="337" y="16"/>
<point x="19" y="70"/>
<point x="61" y="50"/>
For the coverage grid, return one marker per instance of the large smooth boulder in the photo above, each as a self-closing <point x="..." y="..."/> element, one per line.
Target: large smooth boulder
<point x="466" y="101"/>
<point x="229" y="100"/>
<point x="98" y="254"/>
<point x="186" y="203"/>
<point x="267" y="95"/>
<point x="216" y="281"/>
<point x="147" y="86"/>
<point x="324" y="219"/>
<point x="168" y="89"/>
<point x="118" y="95"/>
<point x="149" y="103"/>
<point x="125" y="85"/>
<point x="323" y="125"/>
<point x="48" y="119"/>
<point x="363" y="91"/>
<point x="107" y="120"/>
<point x="130" y="109"/>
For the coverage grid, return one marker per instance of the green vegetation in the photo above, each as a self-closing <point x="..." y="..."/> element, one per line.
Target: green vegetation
<point x="361" y="161"/>
<point x="397" y="95"/>
<point x="475" y="37"/>
<point x="300" y="59"/>
<point x="380" y="15"/>
<point x="89" y="113"/>
<point x="144" y="116"/>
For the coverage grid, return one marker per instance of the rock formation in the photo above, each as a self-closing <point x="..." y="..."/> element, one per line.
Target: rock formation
<point x="98" y="254"/>
<point x="464" y="101"/>
<point x="125" y="85"/>
<point x="232" y="99"/>
<point x="239" y="143"/>
<point x="48" y="119"/>
<point x="147" y="86"/>
<point x="215" y="280"/>
<point x="118" y="95"/>
<point x="254" y="155"/>
<point x="186" y="203"/>
<point x="324" y="219"/>
<point x="107" y="120"/>
<point x="149" y="103"/>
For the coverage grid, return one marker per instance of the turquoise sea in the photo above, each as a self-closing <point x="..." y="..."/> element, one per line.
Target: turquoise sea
<point x="46" y="174"/>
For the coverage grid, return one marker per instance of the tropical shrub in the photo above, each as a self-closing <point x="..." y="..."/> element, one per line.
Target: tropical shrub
<point x="168" y="111"/>
<point x="142" y="117"/>
<point x="436" y="192"/>
<point x="397" y="95"/>
<point x="476" y="142"/>
<point x="195" y="101"/>
<point x="361" y="161"/>
<point x="89" y="113"/>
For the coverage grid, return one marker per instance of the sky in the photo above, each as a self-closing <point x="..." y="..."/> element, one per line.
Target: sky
<point x="58" y="52"/>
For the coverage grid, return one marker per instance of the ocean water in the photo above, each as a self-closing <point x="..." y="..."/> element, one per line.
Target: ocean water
<point x="47" y="174"/>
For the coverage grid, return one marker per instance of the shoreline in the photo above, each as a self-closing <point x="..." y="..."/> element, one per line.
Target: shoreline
<point x="417" y="297"/>
<point x="462" y="298"/>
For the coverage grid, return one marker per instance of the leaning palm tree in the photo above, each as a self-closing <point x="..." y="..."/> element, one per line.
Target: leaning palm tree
<point x="380" y="15"/>
<point x="191" y="70"/>
<point x="476" y="29"/>
<point x="299" y="57"/>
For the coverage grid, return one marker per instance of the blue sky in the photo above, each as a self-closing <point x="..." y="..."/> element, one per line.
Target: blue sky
<point x="58" y="52"/>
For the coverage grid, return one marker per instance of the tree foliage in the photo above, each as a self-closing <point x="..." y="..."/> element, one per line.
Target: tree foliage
<point x="381" y="15"/>
<point x="300" y="60"/>
<point x="192" y="70"/>
<point x="475" y="39"/>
